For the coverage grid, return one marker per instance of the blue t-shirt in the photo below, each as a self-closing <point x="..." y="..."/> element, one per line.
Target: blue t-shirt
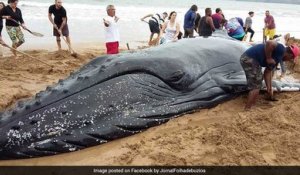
<point x="189" y="19"/>
<point x="257" y="52"/>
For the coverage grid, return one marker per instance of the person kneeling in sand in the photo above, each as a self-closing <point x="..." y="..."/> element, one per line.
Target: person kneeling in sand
<point x="60" y="26"/>
<point x="264" y="55"/>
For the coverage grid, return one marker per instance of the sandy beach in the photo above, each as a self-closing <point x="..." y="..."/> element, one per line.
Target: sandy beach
<point x="223" y="135"/>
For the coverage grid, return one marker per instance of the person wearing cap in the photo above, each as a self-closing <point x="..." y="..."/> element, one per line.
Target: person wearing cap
<point x="265" y="55"/>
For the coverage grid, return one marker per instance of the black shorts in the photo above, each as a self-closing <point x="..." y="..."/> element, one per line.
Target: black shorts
<point x="154" y="26"/>
<point x="65" y="31"/>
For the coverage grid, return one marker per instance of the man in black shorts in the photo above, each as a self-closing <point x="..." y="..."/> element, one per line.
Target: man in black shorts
<point x="155" y="23"/>
<point x="60" y="26"/>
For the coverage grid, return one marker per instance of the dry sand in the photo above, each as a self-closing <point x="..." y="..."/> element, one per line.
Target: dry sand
<point x="223" y="135"/>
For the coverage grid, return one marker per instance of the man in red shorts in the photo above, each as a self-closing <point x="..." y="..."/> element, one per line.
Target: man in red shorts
<point x="112" y="35"/>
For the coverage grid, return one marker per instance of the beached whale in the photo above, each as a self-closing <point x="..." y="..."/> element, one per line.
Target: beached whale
<point x="117" y="96"/>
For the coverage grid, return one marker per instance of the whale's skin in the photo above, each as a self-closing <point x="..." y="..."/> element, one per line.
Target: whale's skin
<point x="119" y="95"/>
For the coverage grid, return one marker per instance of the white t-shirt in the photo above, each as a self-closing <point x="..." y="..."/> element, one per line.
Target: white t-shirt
<point x="112" y="31"/>
<point x="170" y="32"/>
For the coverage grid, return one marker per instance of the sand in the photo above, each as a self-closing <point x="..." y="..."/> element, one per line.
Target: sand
<point x="223" y="135"/>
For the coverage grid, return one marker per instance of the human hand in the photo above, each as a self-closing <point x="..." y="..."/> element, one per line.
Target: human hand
<point x="106" y="23"/>
<point x="23" y="26"/>
<point x="55" y="26"/>
<point x="116" y="19"/>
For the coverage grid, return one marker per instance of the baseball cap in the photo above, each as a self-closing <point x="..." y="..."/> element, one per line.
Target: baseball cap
<point x="295" y="49"/>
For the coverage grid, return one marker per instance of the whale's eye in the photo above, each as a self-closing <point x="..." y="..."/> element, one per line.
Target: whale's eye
<point x="176" y="75"/>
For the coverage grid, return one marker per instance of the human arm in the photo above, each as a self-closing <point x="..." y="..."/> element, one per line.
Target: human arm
<point x="266" y="23"/>
<point x="177" y="32"/>
<point x="269" y="48"/>
<point x="149" y="15"/>
<point x="268" y="81"/>
<point x="286" y="38"/>
<point x="283" y="70"/>
<point x="21" y="20"/>
<point x="193" y="17"/>
<point x="50" y="18"/>
<point x="106" y="22"/>
<point x="6" y="17"/>
<point x="4" y="14"/>
<point x="63" y="23"/>
<point x="52" y="21"/>
<point x="64" y="20"/>
<point x="116" y="19"/>
<point x="247" y="24"/>
<point x="211" y="23"/>
<point x="163" y="28"/>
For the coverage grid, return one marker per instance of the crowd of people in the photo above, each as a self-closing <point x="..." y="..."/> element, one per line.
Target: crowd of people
<point x="265" y="55"/>
<point x="193" y="22"/>
<point x="165" y="28"/>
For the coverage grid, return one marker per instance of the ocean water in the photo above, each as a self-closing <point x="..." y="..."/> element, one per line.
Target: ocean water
<point x="85" y="18"/>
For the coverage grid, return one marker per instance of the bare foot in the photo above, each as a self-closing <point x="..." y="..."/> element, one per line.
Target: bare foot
<point x="14" y="52"/>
